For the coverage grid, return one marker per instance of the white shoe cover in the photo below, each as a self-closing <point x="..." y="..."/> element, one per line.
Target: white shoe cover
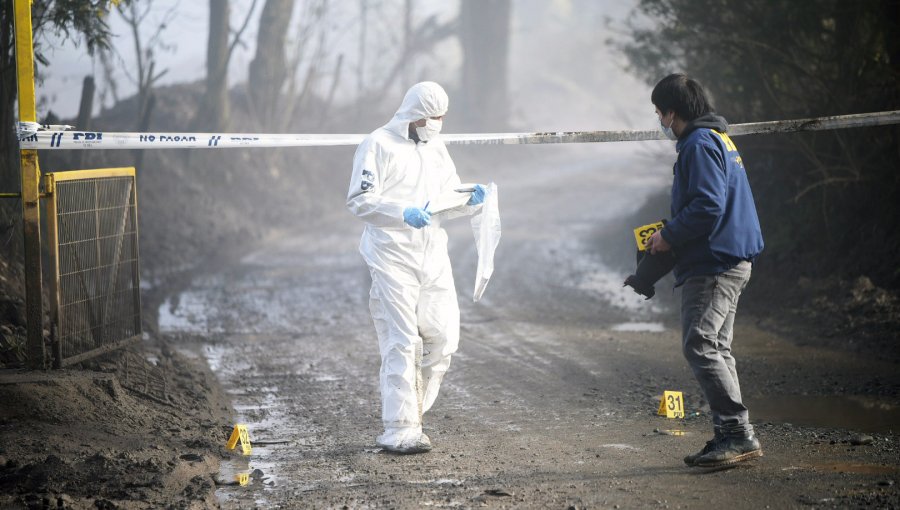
<point x="404" y="440"/>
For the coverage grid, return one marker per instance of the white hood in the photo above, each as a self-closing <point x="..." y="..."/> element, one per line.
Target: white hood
<point x="424" y="99"/>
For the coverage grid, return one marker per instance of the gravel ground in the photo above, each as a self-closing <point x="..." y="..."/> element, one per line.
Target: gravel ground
<point x="550" y="401"/>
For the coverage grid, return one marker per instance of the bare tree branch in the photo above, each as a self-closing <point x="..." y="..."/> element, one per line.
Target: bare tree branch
<point x="826" y="182"/>
<point x="237" y="36"/>
<point x="424" y="38"/>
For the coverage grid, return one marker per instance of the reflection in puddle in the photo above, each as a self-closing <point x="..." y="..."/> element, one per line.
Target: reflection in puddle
<point x="189" y="312"/>
<point x="606" y="284"/>
<point x="440" y="481"/>
<point x="865" y="469"/>
<point x="244" y="472"/>
<point x="865" y="414"/>
<point x="671" y="432"/>
<point x="234" y="471"/>
<point x="653" y="327"/>
<point x="620" y="446"/>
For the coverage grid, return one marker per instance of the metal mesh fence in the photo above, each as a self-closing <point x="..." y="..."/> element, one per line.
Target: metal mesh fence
<point x="140" y="376"/>
<point x="98" y="284"/>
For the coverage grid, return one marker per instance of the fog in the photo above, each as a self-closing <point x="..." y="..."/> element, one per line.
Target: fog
<point x="256" y="304"/>
<point x="521" y="66"/>
<point x="562" y="74"/>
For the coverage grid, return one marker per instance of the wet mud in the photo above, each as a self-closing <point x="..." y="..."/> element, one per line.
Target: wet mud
<point x="551" y="400"/>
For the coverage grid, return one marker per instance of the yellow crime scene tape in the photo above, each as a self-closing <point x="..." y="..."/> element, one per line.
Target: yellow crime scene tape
<point x="35" y="136"/>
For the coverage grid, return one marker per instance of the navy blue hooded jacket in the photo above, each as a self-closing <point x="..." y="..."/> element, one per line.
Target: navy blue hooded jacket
<point x="714" y="225"/>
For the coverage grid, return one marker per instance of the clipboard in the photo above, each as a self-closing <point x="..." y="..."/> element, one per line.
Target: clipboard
<point x="454" y="199"/>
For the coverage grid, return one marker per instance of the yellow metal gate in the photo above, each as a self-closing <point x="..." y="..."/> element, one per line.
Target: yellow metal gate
<point x="95" y="282"/>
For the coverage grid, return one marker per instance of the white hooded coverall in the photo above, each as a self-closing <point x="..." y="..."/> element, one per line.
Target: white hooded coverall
<point x="412" y="299"/>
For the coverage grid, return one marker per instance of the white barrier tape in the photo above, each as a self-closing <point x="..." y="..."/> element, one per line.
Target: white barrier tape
<point x="26" y="129"/>
<point x="158" y="140"/>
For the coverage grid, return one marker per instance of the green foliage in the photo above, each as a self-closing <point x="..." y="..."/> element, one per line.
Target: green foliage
<point x="73" y="21"/>
<point x="12" y="350"/>
<point x="828" y="200"/>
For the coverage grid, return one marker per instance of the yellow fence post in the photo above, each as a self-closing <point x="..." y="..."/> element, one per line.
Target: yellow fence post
<point x="31" y="174"/>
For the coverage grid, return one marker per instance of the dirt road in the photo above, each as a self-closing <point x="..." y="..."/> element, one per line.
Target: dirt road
<point x="551" y="400"/>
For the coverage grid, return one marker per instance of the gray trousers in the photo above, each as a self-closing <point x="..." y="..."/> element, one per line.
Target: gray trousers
<point x="708" y="305"/>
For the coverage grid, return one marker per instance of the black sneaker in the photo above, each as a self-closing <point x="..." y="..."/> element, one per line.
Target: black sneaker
<point x="710" y="446"/>
<point x="730" y="450"/>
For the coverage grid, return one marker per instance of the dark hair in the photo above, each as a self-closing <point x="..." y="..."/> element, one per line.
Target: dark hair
<point x="684" y="95"/>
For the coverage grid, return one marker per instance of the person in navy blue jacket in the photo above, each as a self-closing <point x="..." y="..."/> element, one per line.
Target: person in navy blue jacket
<point x="715" y="235"/>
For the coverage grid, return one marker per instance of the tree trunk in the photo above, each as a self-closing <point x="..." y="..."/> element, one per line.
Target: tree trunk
<point x="9" y="155"/>
<point x="267" y="70"/>
<point x="408" y="67"/>
<point x="484" y="36"/>
<point x="85" y="109"/>
<point x="10" y="210"/>
<point x="86" y="106"/>
<point x="214" y="113"/>
<point x="144" y="126"/>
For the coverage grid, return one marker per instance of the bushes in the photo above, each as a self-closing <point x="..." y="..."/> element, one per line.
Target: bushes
<point x="827" y="200"/>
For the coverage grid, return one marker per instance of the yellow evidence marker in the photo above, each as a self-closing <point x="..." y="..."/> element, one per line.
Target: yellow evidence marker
<point x="242" y="479"/>
<point x="643" y="233"/>
<point x="671" y="405"/>
<point x="240" y="434"/>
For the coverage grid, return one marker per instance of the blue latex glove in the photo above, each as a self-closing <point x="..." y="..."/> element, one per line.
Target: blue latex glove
<point x="416" y="218"/>
<point x="477" y="195"/>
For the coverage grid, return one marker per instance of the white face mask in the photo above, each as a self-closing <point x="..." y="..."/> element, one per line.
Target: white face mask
<point x="430" y="130"/>
<point x="668" y="130"/>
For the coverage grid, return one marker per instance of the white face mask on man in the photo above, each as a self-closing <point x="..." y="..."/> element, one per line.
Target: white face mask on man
<point x="667" y="130"/>
<point x="430" y="130"/>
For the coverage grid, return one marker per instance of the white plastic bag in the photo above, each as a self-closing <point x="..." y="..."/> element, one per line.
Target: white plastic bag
<point x="486" y="227"/>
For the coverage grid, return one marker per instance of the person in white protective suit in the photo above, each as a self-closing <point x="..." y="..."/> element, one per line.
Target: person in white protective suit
<point x="397" y="171"/>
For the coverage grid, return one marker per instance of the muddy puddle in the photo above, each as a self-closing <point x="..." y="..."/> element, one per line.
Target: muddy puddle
<point x="246" y="474"/>
<point x="649" y="327"/>
<point x="864" y="469"/>
<point x="858" y="413"/>
<point x="241" y="476"/>
<point x="262" y="305"/>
